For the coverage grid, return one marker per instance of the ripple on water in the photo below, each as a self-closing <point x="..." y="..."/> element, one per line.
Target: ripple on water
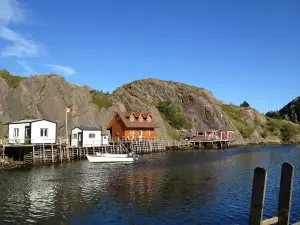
<point x="170" y="188"/>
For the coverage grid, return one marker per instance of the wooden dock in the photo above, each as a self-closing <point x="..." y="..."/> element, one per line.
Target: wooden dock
<point x="53" y="153"/>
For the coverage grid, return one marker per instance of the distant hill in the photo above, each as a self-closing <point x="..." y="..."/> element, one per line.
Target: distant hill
<point x="179" y="108"/>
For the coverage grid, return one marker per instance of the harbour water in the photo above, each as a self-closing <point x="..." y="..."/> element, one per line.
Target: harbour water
<point x="191" y="187"/>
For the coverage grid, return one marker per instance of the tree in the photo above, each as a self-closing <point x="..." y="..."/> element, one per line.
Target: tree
<point x="245" y="104"/>
<point x="273" y="114"/>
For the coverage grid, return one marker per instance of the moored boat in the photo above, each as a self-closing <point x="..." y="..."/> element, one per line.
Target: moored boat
<point x="106" y="157"/>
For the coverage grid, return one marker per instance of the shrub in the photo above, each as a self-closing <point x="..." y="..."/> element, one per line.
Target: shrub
<point x="245" y="104"/>
<point x="173" y="115"/>
<point x="288" y="132"/>
<point x="100" y="99"/>
<point x="273" y="114"/>
<point x="11" y="80"/>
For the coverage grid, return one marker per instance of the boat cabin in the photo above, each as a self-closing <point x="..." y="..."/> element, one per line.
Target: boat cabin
<point x="32" y="131"/>
<point x="88" y="137"/>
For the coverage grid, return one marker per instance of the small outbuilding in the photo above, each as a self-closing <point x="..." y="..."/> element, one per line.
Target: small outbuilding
<point x="88" y="137"/>
<point x="32" y="131"/>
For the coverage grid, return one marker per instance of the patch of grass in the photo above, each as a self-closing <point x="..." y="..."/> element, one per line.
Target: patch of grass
<point x="235" y="115"/>
<point x="100" y="99"/>
<point x="127" y="86"/>
<point x="172" y="133"/>
<point x="11" y="80"/>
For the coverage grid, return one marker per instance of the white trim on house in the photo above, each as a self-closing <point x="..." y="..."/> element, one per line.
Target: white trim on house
<point x="35" y="131"/>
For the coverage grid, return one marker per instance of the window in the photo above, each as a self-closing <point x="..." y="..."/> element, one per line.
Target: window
<point x="92" y="135"/>
<point x="149" y="119"/>
<point x="16" y="132"/>
<point x="200" y="134"/>
<point x="44" y="132"/>
<point x="148" y="132"/>
<point x="141" y="119"/>
<point x="131" y="132"/>
<point x="74" y="136"/>
<point x="105" y="137"/>
<point x="131" y="118"/>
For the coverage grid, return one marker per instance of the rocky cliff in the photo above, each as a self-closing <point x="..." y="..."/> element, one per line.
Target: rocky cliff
<point x="194" y="108"/>
<point x="291" y="111"/>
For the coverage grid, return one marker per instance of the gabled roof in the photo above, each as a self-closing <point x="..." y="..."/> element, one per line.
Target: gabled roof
<point x="134" y="124"/>
<point x="89" y="128"/>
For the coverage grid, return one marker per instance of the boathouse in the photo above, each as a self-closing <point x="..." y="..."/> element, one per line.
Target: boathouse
<point x="132" y="126"/>
<point x="214" y="135"/>
<point x="88" y="137"/>
<point x="32" y="131"/>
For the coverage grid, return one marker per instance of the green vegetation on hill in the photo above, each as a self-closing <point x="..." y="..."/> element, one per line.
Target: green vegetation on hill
<point x="11" y="80"/>
<point x="245" y="104"/>
<point x="173" y="115"/>
<point x="100" y="99"/>
<point x="273" y="114"/>
<point x="235" y="115"/>
<point x="272" y="127"/>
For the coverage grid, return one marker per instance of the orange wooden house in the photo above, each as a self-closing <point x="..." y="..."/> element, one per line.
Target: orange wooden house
<point x="132" y="126"/>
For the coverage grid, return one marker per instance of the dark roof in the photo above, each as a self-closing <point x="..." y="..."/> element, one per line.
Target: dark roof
<point x="89" y="128"/>
<point x="136" y="124"/>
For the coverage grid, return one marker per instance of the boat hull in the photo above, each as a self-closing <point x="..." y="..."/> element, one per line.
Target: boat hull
<point x="104" y="159"/>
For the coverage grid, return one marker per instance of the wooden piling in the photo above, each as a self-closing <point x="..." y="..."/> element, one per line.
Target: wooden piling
<point x="258" y="196"/>
<point x="285" y="197"/>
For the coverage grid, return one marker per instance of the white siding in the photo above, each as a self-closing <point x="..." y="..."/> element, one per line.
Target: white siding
<point x="74" y="141"/>
<point x="105" y="140"/>
<point x="90" y="142"/>
<point x="21" y="138"/>
<point x="36" y="132"/>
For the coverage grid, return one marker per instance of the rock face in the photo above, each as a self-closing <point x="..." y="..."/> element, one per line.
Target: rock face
<point x="291" y="111"/>
<point x="48" y="96"/>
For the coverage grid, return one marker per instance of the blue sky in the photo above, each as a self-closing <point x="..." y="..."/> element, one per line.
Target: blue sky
<point x="239" y="50"/>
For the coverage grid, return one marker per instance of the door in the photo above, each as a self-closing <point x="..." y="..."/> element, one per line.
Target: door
<point x="27" y="135"/>
<point x="140" y="134"/>
<point x="79" y="139"/>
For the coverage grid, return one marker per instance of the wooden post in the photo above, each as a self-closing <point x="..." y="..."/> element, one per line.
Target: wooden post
<point x="52" y="153"/>
<point x="258" y="196"/>
<point x="285" y="194"/>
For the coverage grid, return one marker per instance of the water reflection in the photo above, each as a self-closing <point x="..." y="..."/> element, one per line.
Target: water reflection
<point x="209" y="187"/>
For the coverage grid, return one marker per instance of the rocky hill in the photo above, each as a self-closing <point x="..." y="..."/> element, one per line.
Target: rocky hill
<point x="178" y="108"/>
<point x="291" y="111"/>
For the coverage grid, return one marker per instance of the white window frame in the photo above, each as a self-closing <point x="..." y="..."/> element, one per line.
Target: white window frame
<point x="93" y="135"/>
<point x="75" y="136"/>
<point x="148" y="132"/>
<point x="44" y="132"/>
<point x="149" y="119"/>
<point x="16" y="132"/>
<point x="131" y="118"/>
<point x="141" y="119"/>
<point x="131" y="132"/>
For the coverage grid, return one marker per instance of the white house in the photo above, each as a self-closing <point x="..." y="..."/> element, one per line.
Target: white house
<point x="88" y="137"/>
<point x="34" y="131"/>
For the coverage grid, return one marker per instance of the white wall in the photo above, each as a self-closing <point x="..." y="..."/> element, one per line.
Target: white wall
<point x="74" y="142"/>
<point x="90" y="142"/>
<point x="36" y="132"/>
<point x="105" y="140"/>
<point x="21" y="138"/>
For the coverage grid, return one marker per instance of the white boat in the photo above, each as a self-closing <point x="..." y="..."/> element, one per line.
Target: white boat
<point x="115" y="155"/>
<point x="110" y="158"/>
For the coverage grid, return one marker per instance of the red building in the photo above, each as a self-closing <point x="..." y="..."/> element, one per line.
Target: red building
<point x="214" y="135"/>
